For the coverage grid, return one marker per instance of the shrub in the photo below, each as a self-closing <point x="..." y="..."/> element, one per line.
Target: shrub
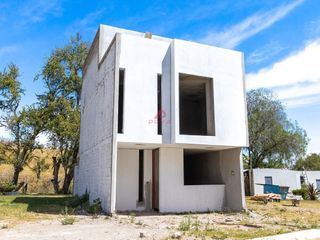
<point x="95" y="208"/>
<point x="302" y="192"/>
<point x="7" y="187"/>
<point x="185" y="225"/>
<point x="68" y="220"/>
<point x="312" y="192"/>
<point x="82" y="203"/>
<point x="79" y="201"/>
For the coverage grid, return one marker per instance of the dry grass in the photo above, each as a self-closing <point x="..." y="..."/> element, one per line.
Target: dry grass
<point x="42" y="185"/>
<point x="261" y="220"/>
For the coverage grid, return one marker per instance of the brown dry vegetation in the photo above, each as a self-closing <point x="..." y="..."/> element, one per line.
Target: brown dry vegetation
<point x="42" y="185"/>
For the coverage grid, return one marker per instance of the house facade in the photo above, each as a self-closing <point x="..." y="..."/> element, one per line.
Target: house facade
<point x="163" y="122"/>
<point x="255" y="179"/>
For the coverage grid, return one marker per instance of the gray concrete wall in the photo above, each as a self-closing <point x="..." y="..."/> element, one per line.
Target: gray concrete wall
<point x="166" y="97"/>
<point x="97" y="148"/>
<point x="231" y="172"/>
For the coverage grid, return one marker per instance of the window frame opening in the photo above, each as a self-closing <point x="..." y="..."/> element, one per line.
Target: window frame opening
<point x="196" y="105"/>
<point x="201" y="168"/>
<point x="270" y="178"/>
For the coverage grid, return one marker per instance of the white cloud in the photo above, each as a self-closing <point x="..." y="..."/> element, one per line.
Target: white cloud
<point x="8" y="49"/>
<point x="264" y="53"/>
<point x="250" y="26"/>
<point x="87" y="23"/>
<point x="295" y="79"/>
<point x="34" y="11"/>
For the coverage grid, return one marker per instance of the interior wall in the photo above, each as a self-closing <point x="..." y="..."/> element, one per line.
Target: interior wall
<point x="193" y="117"/>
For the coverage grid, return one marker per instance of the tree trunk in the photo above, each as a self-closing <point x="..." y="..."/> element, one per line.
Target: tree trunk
<point x="55" y="180"/>
<point x="16" y="174"/>
<point x="68" y="179"/>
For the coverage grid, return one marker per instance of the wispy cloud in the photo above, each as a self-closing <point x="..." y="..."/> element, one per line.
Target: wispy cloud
<point x="264" y="53"/>
<point x="313" y="28"/>
<point x="250" y="26"/>
<point x="34" y="11"/>
<point x="85" y="24"/>
<point x="295" y="79"/>
<point x="8" y="49"/>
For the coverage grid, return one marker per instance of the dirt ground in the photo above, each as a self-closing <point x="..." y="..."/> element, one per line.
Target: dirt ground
<point x="126" y="226"/>
<point x="260" y="220"/>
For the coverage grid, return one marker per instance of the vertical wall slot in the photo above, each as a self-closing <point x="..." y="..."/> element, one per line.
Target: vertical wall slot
<point x="141" y="167"/>
<point x="121" y="100"/>
<point x="159" y="110"/>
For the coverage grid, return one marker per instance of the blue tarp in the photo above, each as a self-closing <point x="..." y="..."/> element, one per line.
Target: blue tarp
<point x="270" y="188"/>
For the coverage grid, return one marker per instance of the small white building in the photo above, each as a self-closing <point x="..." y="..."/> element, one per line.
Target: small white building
<point x="163" y="122"/>
<point x="282" y="177"/>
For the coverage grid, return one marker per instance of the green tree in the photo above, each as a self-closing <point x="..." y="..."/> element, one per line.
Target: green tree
<point x="39" y="165"/>
<point x="274" y="140"/>
<point x="24" y="124"/>
<point x="309" y="163"/>
<point x="62" y="78"/>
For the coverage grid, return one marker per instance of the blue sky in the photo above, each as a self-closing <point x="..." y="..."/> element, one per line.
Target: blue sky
<point x="280" y="39"/>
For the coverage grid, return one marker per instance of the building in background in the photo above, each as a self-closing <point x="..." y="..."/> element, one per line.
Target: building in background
<point x="163" y="122"/>
<point x="255" y="181"/>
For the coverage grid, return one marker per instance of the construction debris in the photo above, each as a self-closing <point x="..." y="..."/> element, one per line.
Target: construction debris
<point x="268" y="197"/>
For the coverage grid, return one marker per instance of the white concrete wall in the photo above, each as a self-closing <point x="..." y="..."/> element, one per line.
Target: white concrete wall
<point x="313" y="176"/>
<point x="225" y="67"/>
<point x="231" y="171"/>
<point x="128" y="179"/>
<point x="279" y="177"/>
<point x="142" y="60"/>
<point x="97" y="148"/>
<point x="174" y="196"/>
<point x="282" y="177"/>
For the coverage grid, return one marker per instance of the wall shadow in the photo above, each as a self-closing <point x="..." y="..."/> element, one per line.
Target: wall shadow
<point x="43" y="204"/>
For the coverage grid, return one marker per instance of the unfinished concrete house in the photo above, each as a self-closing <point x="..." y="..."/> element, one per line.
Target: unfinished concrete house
<point x="163" y="122"/>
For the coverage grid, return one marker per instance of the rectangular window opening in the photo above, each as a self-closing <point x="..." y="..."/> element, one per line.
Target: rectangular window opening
<point x="268" y="180"/>
<point x="196" y="105"/>
<point x="302" y="180"/>
<point x="159" y="109"/>
<point x="141" y="160"/>
<point x="121" y="100"/>
<point x="318" y="183"/>
<point x="201" y="168"/>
